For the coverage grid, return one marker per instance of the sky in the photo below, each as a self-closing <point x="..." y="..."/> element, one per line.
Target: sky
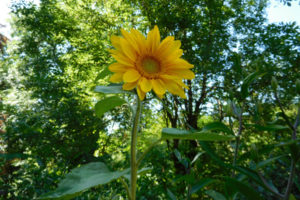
<point x="277" y="12"/>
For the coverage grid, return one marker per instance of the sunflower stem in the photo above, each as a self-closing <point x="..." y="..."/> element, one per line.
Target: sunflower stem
<point x="133" y="163"/>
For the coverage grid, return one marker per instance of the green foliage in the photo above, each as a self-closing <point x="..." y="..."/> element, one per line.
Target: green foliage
<point x="233" y="186"/>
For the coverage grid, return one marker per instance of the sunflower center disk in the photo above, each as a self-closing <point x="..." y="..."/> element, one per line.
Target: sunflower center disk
<point x="150" y="65"/>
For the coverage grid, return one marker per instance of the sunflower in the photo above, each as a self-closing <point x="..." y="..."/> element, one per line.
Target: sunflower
<point x="149" y="64"/>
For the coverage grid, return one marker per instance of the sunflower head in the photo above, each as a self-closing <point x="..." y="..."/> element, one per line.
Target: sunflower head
<point x="149" y="64"/>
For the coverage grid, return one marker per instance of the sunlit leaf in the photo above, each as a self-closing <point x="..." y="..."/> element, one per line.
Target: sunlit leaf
<point x="217" y="126"/>
<point x="197" y="156"/>
<point x="247" y="81"/>
<point x="173" y="133"/>
<point x="107" y="104"/>
<point x="113" y="89"/>
<point x="268" y="161"/>
<point x="171" y="195"/>
<point x="272" y="127"/>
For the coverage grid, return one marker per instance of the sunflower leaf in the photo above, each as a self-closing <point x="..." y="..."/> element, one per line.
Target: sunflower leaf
<point x="83" y="178"/>
<point x="173" y="133"/>
<point x="217" y="126"/>
<point x="107" y="104"/>
<point x="111" y="89"/>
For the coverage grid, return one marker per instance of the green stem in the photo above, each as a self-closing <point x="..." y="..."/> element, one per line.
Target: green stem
<point x="293" y="163"/>
<point x="133" y="163"/>
<point x="126" y="187"/>
<point x="237" y="141"/>
<point x="290" y="181"/>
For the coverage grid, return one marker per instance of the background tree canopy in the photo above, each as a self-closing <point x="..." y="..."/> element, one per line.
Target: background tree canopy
<point x="48" y="123"/>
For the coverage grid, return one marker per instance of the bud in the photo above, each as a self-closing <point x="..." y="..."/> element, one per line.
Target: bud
<point x="298" y="86"/>
<point x="274" y="83"/>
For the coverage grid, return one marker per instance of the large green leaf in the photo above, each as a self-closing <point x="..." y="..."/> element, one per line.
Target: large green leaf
<point x="107" y="104"/>
<point x="272" y="127"/>
<point x="247" y="81"/>
<point x="217" y="126"/>
<point x="233" y="186"/>
<point x="9" y="156"/>
<point x="111" y="89"/>
<point x="171" y="195"/>
<point x="202" y="183"/>
<point x="268" y="161"/>
<point x="83" y="178"/>
<point x="215" y="195"/>
<point x="173" y="133"/>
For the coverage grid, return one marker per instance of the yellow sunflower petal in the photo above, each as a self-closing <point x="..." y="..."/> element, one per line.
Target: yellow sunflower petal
<point x="131" y="76"/>
<point x="171" y="50"/>
<point x="145" y="84"/>
<point x="182" y="94"/>
<point x="175" y="79"/>
<point x="183" y="73"/>
<point x="130" y="37"/>
<point x="128" y="50"/>
<point x="141" y="94"/>
<point x="158" y="86"/>
<point x="153" y="39"/>
<point x="122" y="59"/>
<point x="129" y="86"/>
<point x="171" y="86"/>
<point x="174" y="88"/>
<point x="161" y="96"/>
<point x="174" y="55"/>
<point x="140" y="40"/>
<point x="115" y="41"/>
<point x="117" y="67"/>
<point x="179" y="82"/>
<point x="178" y="64"/>
<point x="165" y="44"/>
<point x="116" y="78"/>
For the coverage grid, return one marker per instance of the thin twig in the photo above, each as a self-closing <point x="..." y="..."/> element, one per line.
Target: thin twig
<point x="297" y="122"/>
<point x="237" y="141"/>
<point x="269" y="187"/>
<point x="126" y="187"/>
<point x="290" y="181"/>
<point x="293" y="163"/>
<point x="285" y="117"/>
